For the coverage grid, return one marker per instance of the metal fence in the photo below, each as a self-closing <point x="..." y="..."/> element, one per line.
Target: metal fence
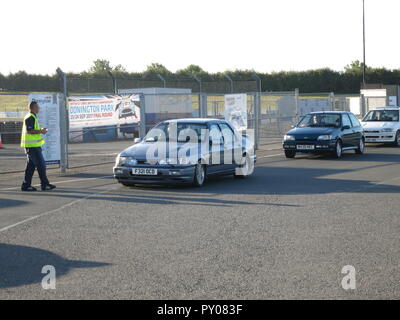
<point x="113" y="84"/>
<point x="269" y="114"/>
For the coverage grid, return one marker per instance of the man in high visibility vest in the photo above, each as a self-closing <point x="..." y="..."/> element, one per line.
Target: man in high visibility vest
<point x="32" y="140"/>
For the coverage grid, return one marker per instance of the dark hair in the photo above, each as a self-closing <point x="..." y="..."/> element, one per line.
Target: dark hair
<point x="32" y="104"/>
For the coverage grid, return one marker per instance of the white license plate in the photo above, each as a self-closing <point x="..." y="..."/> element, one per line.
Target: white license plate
<point x="371" y="139"/>
<point x="144" y="171"/>
<point x="305" y="147"/>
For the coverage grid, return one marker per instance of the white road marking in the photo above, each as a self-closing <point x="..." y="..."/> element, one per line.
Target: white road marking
<point x="60" y="182"/>
<point x="270" y="156"/>
<point x="55" y="210"/>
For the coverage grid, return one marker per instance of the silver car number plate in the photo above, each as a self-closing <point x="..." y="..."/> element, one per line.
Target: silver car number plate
<point x="144" y="171"/>
<point x="305" y="147"/>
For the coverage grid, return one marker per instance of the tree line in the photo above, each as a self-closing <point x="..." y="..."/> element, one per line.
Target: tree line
<point x="320" y="80"/>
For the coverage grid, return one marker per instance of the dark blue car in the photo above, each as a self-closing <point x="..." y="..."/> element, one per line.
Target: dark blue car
<point x="325" y="132"/>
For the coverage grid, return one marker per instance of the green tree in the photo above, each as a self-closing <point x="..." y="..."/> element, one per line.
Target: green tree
<point x="155" y="68"/>
<point x="193" y="70"/>
<point x="102" y="66"/>
<point x="355" y="67"/>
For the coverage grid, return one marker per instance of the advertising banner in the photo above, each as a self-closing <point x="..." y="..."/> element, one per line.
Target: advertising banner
<point x="236" y="110"/>
<point x="49" y="117"/>
<point x="106" y="110"/>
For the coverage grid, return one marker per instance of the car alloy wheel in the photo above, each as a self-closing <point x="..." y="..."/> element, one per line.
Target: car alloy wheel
<point x="244" y="169"/>
<point x="361" y="147"/>
<point x="338" y="149"/>
<point x="397" y="141"/>
<point x="199" y="175"/>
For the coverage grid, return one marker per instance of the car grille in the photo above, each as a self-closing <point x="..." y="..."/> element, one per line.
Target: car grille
<point x="371" y="131"/>
<point x="306" y="140"/>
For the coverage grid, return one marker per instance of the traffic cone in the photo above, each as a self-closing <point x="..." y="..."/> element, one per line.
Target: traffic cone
<point x="1" y="143"/>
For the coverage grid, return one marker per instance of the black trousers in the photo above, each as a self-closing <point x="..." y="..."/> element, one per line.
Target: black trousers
<point x="35" y="160"/>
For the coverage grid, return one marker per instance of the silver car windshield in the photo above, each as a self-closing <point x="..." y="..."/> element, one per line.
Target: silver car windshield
<point x="163" y="131"/>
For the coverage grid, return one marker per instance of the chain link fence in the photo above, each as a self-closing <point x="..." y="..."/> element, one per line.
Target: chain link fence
<point x="269" y="114"/>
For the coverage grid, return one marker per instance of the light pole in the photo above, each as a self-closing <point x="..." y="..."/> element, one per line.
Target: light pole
<point x="364" y="66"/>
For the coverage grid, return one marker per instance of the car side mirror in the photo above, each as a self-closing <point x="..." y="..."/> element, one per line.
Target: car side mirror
<point x="345" y="127"/>
<point x="137" y="140"/>
<point x="184" y="139"/>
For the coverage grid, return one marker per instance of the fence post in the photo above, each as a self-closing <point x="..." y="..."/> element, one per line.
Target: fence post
<point x="296" y="99"/>
<point x="203" y="106"/>
<point x="114" y="81"/>
<point x="332" y="100"/>
<point x="257" y="109"/>
<point x="198" y="81"/>
<point x="230" y="81"/>
<point x="142" y="124"/>
<point x="363" y="106"/>
<point x="64" y="122"/>
<point x="162" y="79"/>
<point x="259" y="82"/>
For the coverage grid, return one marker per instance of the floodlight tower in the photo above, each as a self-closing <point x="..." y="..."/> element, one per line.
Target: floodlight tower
<point x="364" y="66"/>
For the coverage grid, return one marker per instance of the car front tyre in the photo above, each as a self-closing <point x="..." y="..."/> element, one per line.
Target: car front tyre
<point x="397" y="139"/>
<point x="245" y="169"/>
<point x="127" y="184"/>
<point x="361" y="147"/>
<point x="338" y="150"/>
<point x="199" y="175"/>
<point x="290" y="154"/>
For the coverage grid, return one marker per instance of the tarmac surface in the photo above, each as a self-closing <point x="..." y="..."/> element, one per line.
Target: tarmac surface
<point x="284" y="233"/>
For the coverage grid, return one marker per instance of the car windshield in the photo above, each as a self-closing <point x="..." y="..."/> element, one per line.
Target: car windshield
<point x="184" y="131"/>
<point x="382" y="115"/>
<point x="320" y="120"/>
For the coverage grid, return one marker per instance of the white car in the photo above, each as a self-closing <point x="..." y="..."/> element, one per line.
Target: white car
<point x="382" y="125"/>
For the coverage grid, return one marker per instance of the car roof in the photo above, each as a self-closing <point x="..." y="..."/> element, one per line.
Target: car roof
<point x="386" y="108"/>
<point x="194" y="120"/>
<point x="331" y="112"/>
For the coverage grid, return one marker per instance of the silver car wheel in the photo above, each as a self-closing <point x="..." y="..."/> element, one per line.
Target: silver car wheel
<point x="200" y="174"/>
<point x="362" y="145"/>
<point x="339" y="149"/>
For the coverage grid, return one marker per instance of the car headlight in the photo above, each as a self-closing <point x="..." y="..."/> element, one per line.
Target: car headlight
<point x="172" y="161"/>
<point x="387" y="130"/>
<point x="288" y="138"/>
<point x="117" y="160"/>
<point x="325" y="137"/>
<point x="125" y="161"/>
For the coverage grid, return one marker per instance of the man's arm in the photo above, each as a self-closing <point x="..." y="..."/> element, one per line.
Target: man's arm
<point x="30" y="125"/>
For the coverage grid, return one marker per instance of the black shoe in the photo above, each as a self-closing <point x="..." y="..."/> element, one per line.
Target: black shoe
<point x="28" y="188"/>
<point x="48" y="187"/>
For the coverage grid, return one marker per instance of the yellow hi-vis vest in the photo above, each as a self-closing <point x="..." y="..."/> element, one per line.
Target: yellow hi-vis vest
<point x="31" y="140"/>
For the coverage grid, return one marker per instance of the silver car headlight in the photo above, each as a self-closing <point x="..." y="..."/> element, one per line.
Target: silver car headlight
<point x="288" y="138"/>
<point x="174" y="161"/>
<point x="117" y="160"/>
<point x="121" y="160"/>
<point x="387" y="130"/>
<point x="167" y="161"/>
<point x="325" y="137"/>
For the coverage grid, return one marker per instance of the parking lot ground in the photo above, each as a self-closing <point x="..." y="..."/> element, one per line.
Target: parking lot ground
<point x="285" y="232"/>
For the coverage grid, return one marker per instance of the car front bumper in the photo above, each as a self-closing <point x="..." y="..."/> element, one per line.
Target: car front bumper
<point x="310" y="146"/>
<point x="165" y="175"/>
<point x="380" y="137"/>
